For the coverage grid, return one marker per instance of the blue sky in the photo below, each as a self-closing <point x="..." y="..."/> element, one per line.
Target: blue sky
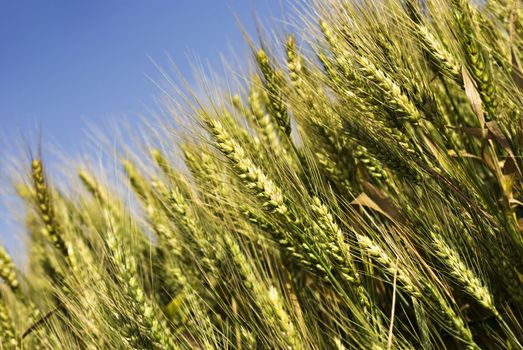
<point x="65" y="64"/>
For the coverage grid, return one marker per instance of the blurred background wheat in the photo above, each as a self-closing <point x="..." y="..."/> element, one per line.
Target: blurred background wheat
<point x="355" y="184"/>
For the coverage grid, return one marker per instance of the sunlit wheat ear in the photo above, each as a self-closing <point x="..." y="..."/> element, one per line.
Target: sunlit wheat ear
<point x="296" y="67"/>
<point x="137" y="182"/>
<point x="333" y="76"/>
<point x="344" y="191"/>
<point x="162" y="162"/>
<point x="180" y="207"/>
<point x="371" y="164"/>
<point x="173" y="204"/>
<point x="388" y="155"/>
<point x="328" y="242"/>
<point x="93" y="187"/>
<point x="274" y="82"/>
<point x="342" y="58"/>
<point x="8" y="274"/>
<point x="420" y="290"/>
<point x="45" y="208"/>
<point x="8" y="339"/>
<point x="272" y="139"/>
<point x="397" y="99"/>
<point x="391" y="266"/>
<point x="247" y="170"/>
<point x="188" y="295"/>
<point x="209" y="253"/>
<point x="268" y="298"/>
<point x="8" y="270"/>
<point x="144" y="313"/>
<point x="337" y="243"/>
<point x="334" y="172"/>
<point x="462" y="273"/>
<point x="254" y="178"/>
<point x="478" y="61"/>
<point x="422" y="320"/>
<point x="201" y="171"/>
<point x="265" y="189"/>
<point x="443" y="58"/>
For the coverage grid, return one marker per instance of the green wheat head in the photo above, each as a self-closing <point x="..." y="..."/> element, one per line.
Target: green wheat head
<point x="359" y="188"/>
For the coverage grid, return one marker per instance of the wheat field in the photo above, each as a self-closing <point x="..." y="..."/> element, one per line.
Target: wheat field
<point x="355" y="185"/>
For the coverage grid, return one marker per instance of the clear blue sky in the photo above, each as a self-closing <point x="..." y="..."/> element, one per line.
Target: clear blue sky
<point x="67" y="63"/>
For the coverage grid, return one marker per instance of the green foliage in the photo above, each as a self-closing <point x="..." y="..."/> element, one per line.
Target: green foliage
<point x="362" y="191"/>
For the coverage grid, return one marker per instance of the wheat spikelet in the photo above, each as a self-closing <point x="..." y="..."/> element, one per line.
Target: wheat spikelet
<point x="145" y="315"/>
<point x="8" y="338"/>
<point x="462" y="273"/>
<point x="46" y="209"/>
<point x="8" y="270"/>
<point x="343" y="192"/>
<point x="419" y="290"/>
<point x="273" y="83"/>
<point x="479" y="63"/>
<point x="268" y="298"/>
<point x="440" y="54"/>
